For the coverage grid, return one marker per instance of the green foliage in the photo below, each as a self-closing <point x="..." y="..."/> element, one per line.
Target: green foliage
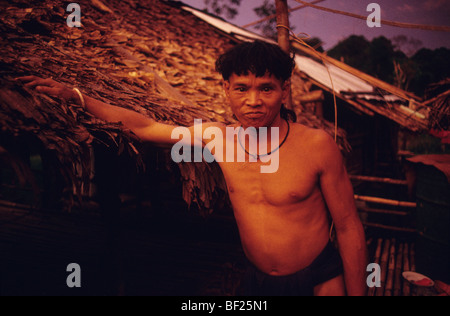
<point x="384" y="60"/>
<point x="268" y="28"/>
<point x="227" y="8"/>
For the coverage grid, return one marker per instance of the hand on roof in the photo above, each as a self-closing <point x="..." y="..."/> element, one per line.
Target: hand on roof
<point x="48" y="86"/>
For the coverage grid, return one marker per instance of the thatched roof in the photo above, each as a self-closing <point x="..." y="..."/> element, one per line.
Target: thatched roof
<point x="149" y="56"/>
<point x="439" y="104"/>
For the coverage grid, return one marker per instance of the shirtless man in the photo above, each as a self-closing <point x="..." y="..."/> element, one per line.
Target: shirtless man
<point x="284" y="218"/>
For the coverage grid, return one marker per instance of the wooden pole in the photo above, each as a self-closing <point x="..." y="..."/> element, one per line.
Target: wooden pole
<point x="283" y="25"/>
<point x="283" y="28"/>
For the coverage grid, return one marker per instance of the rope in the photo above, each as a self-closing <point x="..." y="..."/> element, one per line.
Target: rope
<point x="385" y="22"/>
<point x="302" y="42"/>
<point x="275" y="15"/>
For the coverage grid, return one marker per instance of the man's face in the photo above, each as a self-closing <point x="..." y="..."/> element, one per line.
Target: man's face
<point x="256" y="101"/>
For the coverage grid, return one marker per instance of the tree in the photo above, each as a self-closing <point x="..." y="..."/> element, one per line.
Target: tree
<point x="382" y="58"/>
<point x="432" y="66"/>
<point x="353" y="51"/>
<point x="268" y="28"/>
<point x="406" y="44"/>
<point x="227" y="8"/>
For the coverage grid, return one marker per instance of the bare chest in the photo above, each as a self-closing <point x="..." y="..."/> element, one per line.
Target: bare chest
<point x="295" y="181"/>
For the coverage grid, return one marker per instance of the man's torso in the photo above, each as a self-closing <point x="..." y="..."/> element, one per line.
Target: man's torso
<point x="282" y="216"/>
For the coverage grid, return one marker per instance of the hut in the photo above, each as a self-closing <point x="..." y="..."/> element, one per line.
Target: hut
<point x="157" y="58"/>
<point x="62" y="169"/>
<point x="161" y="65"/>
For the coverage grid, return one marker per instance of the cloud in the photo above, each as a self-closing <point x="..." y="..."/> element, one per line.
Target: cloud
<point x="431" y="5"/>
<point x="407" y="8"/>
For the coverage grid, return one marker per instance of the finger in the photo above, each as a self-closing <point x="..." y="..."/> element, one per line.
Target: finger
<point x="47" y="90"/>
<point x="27" y="78"/>
<point x="33" y="83"/>
<point x="38" y="82"/>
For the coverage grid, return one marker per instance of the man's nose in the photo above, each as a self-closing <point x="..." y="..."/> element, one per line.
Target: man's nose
<point x="253" y="99"/>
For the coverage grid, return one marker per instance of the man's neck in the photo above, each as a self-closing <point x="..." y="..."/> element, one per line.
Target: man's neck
<point x="264" y="135"/>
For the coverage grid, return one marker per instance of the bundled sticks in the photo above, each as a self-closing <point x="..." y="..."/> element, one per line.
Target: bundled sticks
<point x="394" y="258"/>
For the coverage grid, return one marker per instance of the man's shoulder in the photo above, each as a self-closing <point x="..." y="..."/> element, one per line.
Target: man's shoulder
<point x="311" y="136"/>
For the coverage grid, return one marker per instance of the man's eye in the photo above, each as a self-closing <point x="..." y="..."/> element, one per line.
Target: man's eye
<point x="267" y="89"/>
<point x="241" y="89"/>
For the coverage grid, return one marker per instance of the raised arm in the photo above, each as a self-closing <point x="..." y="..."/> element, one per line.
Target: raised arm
<point x="338" y="193"/>
<point x="145" y="128"/>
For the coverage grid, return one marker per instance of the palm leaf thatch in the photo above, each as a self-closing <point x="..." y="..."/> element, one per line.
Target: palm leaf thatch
<point x="148" y="56"/>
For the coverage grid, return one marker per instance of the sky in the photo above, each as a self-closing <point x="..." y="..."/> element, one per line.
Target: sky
<point x="332" y="28"/>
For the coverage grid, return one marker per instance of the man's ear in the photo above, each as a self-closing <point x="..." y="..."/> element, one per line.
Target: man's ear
<point x="286" y="89"/>
<point x="226" y="87"/>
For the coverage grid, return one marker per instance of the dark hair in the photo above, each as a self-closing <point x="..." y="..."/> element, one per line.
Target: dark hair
<point x="259" y="58"/>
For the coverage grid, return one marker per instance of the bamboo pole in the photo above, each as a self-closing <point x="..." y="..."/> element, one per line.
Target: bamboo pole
<point x="381" y="211"/>
<point x="406" y="285"/>
<point x="379" y="180"/>
<point x="398" y="271"/>
<point x="388" y="227"/>
<point x="283" y="28"/>
<point x="384" y="266"/>
<point x="391" y="271"/>
<point x="412" y="257"/>
<point x="385" y="201"/>
<point x="377" y="261"/>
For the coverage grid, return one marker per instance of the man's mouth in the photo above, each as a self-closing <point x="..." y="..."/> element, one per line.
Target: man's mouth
<point x="254" y="115"/>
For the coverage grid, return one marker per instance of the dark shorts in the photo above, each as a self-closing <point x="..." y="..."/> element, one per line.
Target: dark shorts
<point x="327" y="266"/>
